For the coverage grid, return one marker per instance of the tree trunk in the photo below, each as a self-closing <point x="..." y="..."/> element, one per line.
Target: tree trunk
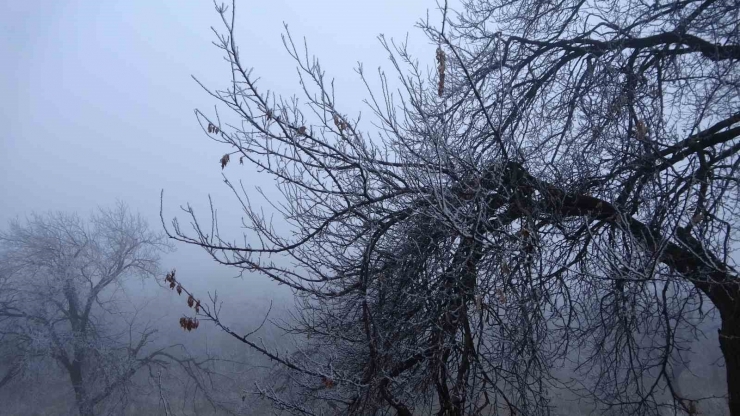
<point x="83" y="405"/>
<point x="729" y="342"/>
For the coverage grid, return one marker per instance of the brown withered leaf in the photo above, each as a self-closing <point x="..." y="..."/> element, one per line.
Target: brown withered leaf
<point x="189" y="324"/>
<point x="441" y="67"/>
<point x="224" y="161"/>
<point x="302" y="130"/>
<point x="170" y="277"/>
<point x="696" y="219"/>
<point x="328" y="383"/>
<point x="640" y="130"/>
<point x="505" y="268"/>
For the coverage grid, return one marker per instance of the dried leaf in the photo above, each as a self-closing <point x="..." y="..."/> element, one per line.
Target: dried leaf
<point x="170" y="277"/>
<point x="692" y="408"/>
<point x="179" y="290"/>
<point x="441" y="67"/>
<point x="302" y="130"/>
<point x="640" y="130"/>
<point x="696" y="219"/>
<point x="189" y="324"/>
<point x="224" y="160"/>
<point x="337" y="121"/>
<point x="328" y="383"/>
<point x="241" y="160"/>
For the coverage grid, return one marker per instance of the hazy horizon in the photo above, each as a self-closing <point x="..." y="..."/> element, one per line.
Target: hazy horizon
<point x="98" y="100"/>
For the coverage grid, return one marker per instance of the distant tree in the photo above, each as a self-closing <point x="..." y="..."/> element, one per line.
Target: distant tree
<point x="561" y="192"/>
<point x="62" y="301"/>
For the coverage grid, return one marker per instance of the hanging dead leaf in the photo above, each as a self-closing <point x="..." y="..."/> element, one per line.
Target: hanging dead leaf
<point x="337" y="121"/>
<point x="224" y="161"/>
<point x="441" y="67"/>
<point x="501" y="296"/>
<point x="692" y="408"/>
<point x="328" y="383"/>
<point x="640" y="130"/>
<point x="697" y="218"/>
<point x="170" y="277"/>
<point x="302" y="130"/>
<point x="241" y="160"/>
<point x="189" y="324"/>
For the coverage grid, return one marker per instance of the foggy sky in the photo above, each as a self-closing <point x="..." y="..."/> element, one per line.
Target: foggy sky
<point x="97" y="100"/>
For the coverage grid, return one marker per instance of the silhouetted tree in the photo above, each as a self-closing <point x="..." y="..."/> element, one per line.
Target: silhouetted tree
<point x="561" y="191"/>
<point x="62" y="301"/>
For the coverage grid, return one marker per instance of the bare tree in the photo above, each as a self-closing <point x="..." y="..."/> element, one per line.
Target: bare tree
<point x="561" y="192"/>
<point x="62" y="301"/>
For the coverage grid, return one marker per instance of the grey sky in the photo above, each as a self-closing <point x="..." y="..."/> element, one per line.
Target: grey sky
<point x="97" y="99"/>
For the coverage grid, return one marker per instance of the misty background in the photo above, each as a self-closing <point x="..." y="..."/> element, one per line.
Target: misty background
<point x="98" y="103"/>
<point x="97" y="107"/>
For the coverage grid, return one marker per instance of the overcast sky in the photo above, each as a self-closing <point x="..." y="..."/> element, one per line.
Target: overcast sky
<point x="97" y="97"/>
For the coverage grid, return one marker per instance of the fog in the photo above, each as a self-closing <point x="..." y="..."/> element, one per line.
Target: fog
<point x="99" y="98"/>
<point x="98" y="101"/>
<point x="97" y="107"/>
